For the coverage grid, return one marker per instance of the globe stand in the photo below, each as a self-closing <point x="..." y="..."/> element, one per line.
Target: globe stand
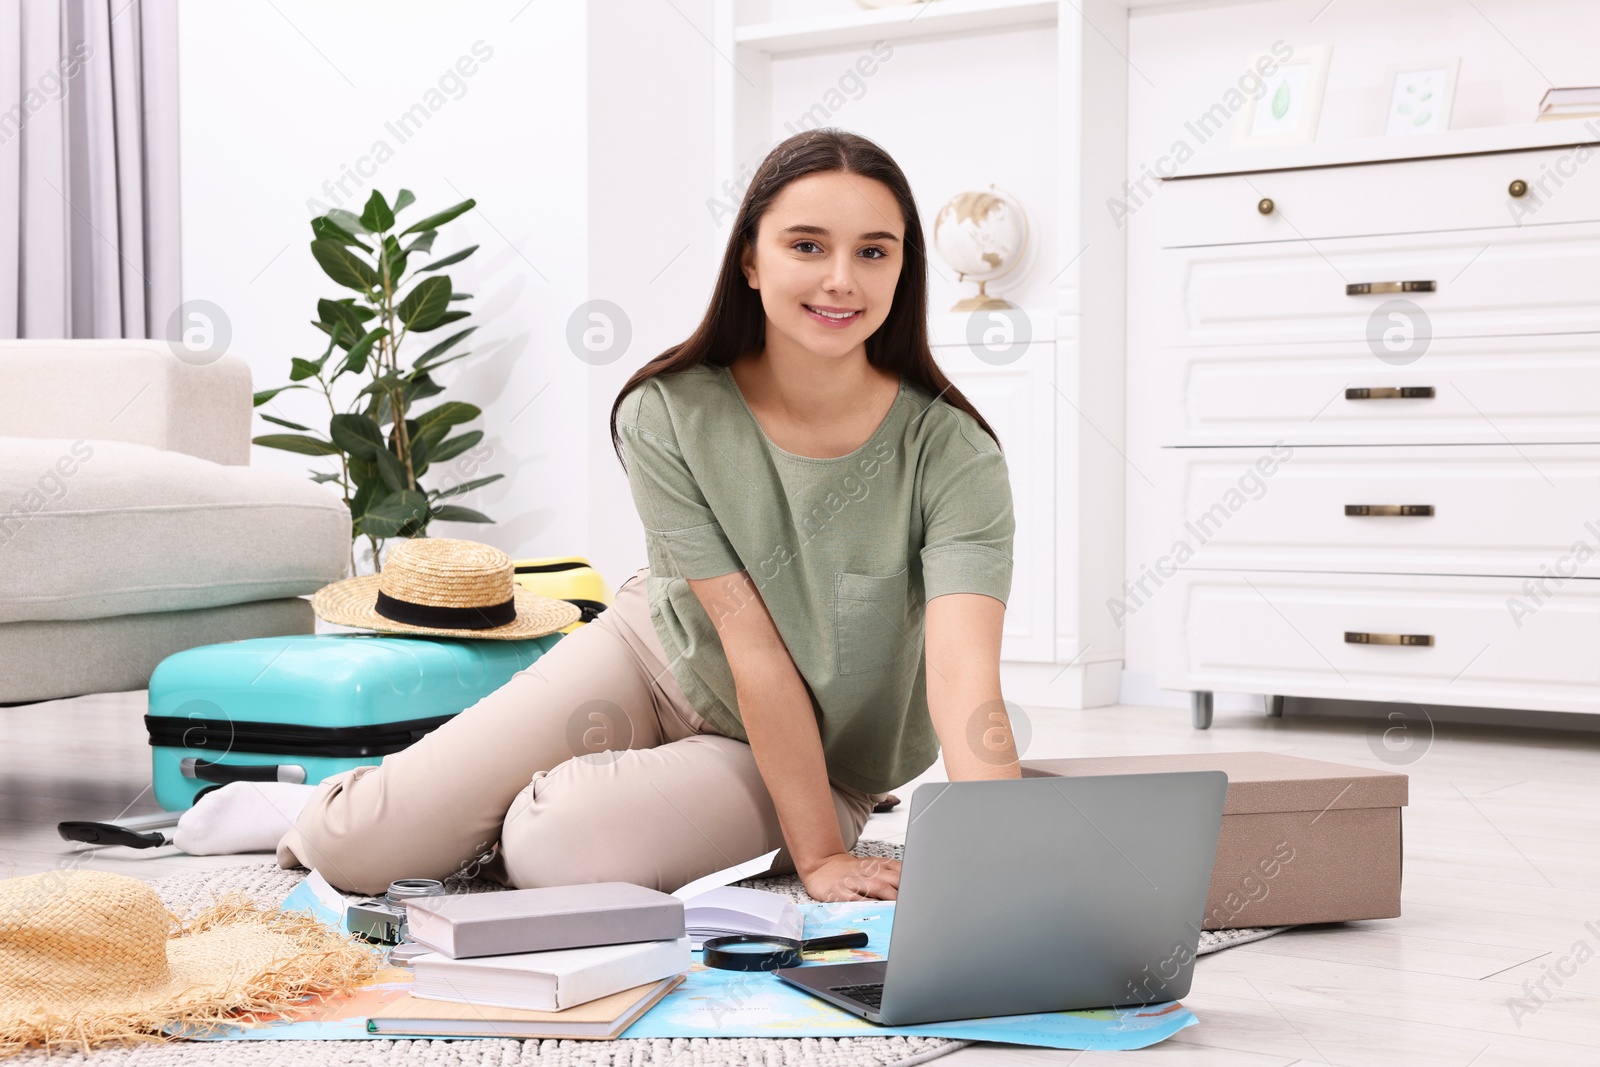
<point x="982" y="302"/>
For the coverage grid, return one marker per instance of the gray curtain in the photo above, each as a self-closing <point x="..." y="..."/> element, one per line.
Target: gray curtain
<point x="89" y="235"/>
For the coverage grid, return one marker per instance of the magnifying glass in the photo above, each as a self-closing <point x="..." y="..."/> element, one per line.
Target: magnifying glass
<point x="755" y="952"/>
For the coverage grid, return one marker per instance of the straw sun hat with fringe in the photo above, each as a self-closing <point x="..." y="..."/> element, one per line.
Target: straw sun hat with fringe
<point x="89" y="958"/>
<point x="444" y="587"/>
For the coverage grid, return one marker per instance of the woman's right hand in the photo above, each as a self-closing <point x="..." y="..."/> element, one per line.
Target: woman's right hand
<point x="844" y="876"/>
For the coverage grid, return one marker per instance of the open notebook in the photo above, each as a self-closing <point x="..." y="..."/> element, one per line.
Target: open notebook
<point x="736" y="910"/>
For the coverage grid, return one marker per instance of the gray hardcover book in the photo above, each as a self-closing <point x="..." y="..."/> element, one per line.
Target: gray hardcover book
<point x="464" y="925"/>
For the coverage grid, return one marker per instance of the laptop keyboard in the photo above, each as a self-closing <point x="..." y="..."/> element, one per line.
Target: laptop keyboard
<point x="870" y="994"/>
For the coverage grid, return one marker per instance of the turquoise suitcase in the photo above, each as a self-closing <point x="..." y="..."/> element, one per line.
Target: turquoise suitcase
<point x="303" y="707"/>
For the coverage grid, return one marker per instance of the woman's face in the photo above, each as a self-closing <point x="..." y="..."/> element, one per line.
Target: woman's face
<point x="830" y="242"/>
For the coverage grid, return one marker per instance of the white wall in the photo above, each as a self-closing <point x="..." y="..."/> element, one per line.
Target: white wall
<point x="652" y="244"/>
<point x="956" y="114"/>
<point x="579" y="139"/>
<point x="1184" y="58"/>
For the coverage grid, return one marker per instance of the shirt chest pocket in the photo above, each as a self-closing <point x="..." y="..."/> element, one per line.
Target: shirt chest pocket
<point x="869" y="620"/>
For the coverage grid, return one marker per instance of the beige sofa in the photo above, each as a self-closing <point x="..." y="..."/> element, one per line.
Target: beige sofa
<point x="132" y="527"/>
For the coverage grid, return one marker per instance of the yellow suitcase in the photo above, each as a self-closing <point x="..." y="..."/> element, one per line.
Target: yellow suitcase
<point x="568" y="578"/>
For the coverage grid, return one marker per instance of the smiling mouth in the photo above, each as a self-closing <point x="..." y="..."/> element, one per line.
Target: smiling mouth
<point x="832" y="316"/>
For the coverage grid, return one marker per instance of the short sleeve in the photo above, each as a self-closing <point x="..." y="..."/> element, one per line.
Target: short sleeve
<point x="683" y="539"/>
<point x="968" y="526"/>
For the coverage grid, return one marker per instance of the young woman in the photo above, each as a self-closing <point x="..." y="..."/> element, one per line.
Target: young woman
<point x="828" y="526"/>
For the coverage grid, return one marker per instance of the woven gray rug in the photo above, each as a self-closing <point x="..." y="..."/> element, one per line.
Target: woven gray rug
<point x="267" y="883"/>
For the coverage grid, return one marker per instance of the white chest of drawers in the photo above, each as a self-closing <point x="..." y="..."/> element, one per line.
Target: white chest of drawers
<point x="1378" y="392"/>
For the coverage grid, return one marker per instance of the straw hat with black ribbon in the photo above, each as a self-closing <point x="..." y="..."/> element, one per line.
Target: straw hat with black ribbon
<point x="447" y="588"/>
<point x="90" y="957"/>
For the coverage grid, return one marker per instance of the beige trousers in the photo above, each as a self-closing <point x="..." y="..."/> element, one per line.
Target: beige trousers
<point x="588" y="766"/>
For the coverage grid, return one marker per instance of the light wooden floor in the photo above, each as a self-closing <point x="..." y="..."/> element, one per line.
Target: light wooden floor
<point x="1502" y="874"/>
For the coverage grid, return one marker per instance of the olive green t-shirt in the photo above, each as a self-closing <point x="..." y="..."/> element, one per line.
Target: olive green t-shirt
<point x="845" y="553"/>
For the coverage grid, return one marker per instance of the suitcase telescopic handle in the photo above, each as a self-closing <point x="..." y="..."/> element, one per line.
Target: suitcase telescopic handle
<point x="206" y="771"/>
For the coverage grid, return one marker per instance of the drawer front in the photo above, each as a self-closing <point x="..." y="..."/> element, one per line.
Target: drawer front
<point x="1484" y="389"/>
<point x="1437" y="509"/>
<point x="1285" y="634"/>
<point x="1488" y="283"/>
<point x="1410" y="196"/>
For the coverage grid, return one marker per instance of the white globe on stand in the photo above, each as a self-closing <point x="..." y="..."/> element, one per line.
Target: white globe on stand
<point x="982" y="236"/>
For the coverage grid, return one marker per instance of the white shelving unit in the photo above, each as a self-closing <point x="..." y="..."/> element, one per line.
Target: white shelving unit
<point x="1059" y="407"/>
<point x="840" y="30"/>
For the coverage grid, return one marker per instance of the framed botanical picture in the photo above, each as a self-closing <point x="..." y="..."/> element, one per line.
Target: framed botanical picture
<point x="1420" y="96"/>
<point x="1287" y="108"/>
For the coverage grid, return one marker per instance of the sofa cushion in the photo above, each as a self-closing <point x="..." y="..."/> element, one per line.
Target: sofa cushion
<point x="47" y="661"/>
<point x="91" y="529"/>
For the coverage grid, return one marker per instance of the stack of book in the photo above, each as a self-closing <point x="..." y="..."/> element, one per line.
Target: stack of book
<point x="563" y="961"/>
<point x="1570" y="103"/>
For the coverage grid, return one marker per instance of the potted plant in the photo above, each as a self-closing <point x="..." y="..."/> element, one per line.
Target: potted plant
<point x="384" y="449"/>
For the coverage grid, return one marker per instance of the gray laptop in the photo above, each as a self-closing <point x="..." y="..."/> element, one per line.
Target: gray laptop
<point x="1040" y="894"/>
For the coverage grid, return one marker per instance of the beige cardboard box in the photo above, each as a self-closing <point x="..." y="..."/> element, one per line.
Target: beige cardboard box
<point x="1302" y="841"/>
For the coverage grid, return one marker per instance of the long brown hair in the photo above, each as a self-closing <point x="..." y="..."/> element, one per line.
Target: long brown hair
<point x="735" y="321"/>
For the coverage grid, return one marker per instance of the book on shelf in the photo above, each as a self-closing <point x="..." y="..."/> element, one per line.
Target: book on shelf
<point x="1569" y="103"/>
<point x="599" y="1019"/>
<point x="737" y="910"/>
<point x="548" y="981"/>
<point x="465" y="925"/>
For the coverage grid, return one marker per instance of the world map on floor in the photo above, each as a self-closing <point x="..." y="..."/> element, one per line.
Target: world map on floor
<point x="718" y="1003"/>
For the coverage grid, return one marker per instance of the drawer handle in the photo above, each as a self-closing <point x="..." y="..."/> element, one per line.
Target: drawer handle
<point x="1388" y="509"/>
<point x="1354" y="637"/>
<point x="1404" y="392"/>
<point x="1363" y="288"/>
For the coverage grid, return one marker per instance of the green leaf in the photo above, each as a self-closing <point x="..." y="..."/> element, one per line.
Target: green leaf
<point x="441" y="348"/>
<point x="382" y="384"/>
<point x="324" y="227"/>
<point x="460" y="296"/>
<point x="390" y="469"/>
<point x="1280" y="101"/>
<point x="425" y="302"/>
<point x="394" y="261"/>
<point x="454" y="257"/>
<point x="356" y="434"/>
<point x="284" y="422"/>
<point x="466" y="487"/>
<point x="290" y="442"/>
<point x="344" y="266"/>
<point x="362" y="472"/>
<point x="421" y="387"/>
<point x="433" y="222"/>
<point x="345" y="337"/>
<point x="432" y="435"/>
<point x="443" y="320"/>
<point x="376" y="216"/>
<point x="267" y="394"/>
<point x="335" y="337"/>
<point x="403" y="200"/>
<point x="423" y="242"/>
<point x="446" y="362"/>
<point x="343" y="310"/>
<point x="450" y="413"/>
<point x="347" y="221"/>
<point x="454" y="446"/>
<point x="388" y="516"/>
<point x="357" y="359"/>
<point x="420" y="456"/>
<point x="457" y="513"/>
<point x="301" y="369"/>
<point x="367" y="494"/>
